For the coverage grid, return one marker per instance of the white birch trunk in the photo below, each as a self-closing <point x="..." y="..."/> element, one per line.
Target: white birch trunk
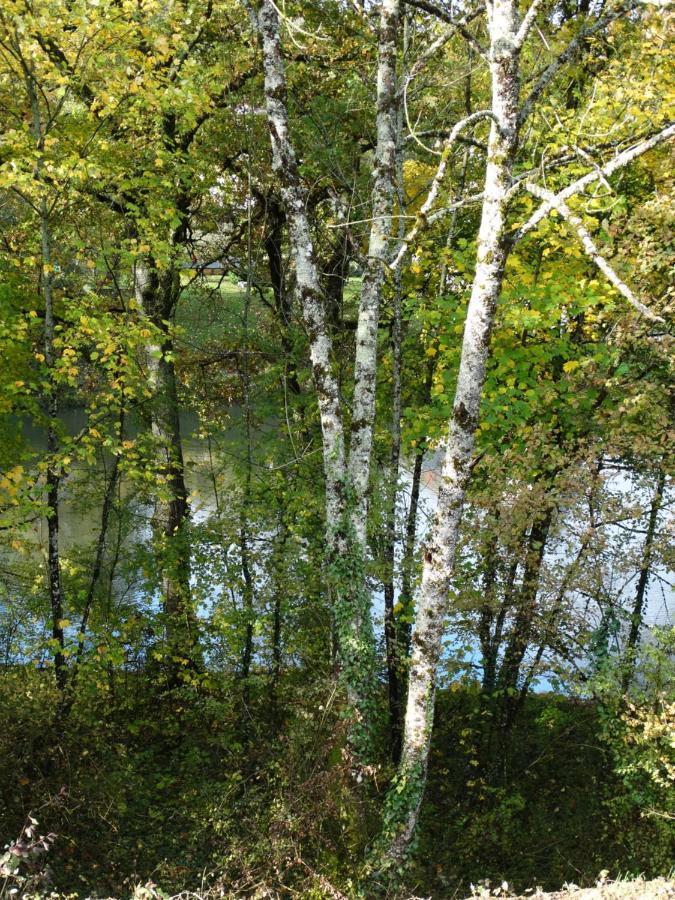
<point x="432" y="601"/>
<point x="384" y="182"/>
<point x="308" y="285"/>
<point x="353" y="613"/>
<point x="346" y="482"/>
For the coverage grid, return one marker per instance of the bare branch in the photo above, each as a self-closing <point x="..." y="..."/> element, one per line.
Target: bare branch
<point x="527" y="23"/>
<point x="456" y="204"/>
<point x="618" y="162"/>
<point x="433" y="48"/>
<point x="574" y="47"/>
<point x="422" y="216"/>
<point x="591" y="250"/>
<point x="446" y="16"/>
<point x="443" y="133"/>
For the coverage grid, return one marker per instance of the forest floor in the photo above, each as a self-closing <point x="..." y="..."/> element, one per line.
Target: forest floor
<point x="638" y="889"/>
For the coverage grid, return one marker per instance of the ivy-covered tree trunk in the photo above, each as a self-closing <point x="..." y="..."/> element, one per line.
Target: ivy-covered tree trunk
<point x="346" y="479"/>
<point x="56" y="599"/>
<point x="53" y="478"/>
<point x="157" y="292"/>
<point x="404" y="800"/>
<point x="637" y="614"/>
<point x="355" y="596"/>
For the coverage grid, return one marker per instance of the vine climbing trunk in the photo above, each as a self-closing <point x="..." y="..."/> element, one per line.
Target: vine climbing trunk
<point x="157" y="292"/>
<point x="53" y="478"/>
<point x="404" y="800"/>
<point x="346" y="478"/>
<point x="637" y="614"/>
<point x="56" y="599"/>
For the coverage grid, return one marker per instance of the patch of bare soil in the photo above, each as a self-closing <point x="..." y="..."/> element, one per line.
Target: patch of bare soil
<point x="658" y="889"/>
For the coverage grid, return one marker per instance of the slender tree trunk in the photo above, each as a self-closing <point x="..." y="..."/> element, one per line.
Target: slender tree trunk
<point x="247" y="609"/>
<point x="636" y="618"/>
<point x="346" y="483"/>
<point x="521" y="630"/>
<point x="275" y="221"/>
<point x="403" y="803"/>
<point x="337" y="272"/>
<point x="408" y="561"/>
<point x="248" y="594"/>
<point x="395" y="650"/>
<point x="56" y="599"/>
<point x="395" y="658"/>
<point x="157" y="295"/>
<point x="487" y="611"/>
<point x="97" y="566"/>
<point x="519" y="638"/>
<point x="294" y="197"/>
<point x="280" y="587"/>
<point x="384" y="186"/>
<point x="55" y="587"/>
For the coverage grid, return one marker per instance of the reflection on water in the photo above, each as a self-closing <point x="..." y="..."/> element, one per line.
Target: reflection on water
<point x="79" y="520"/>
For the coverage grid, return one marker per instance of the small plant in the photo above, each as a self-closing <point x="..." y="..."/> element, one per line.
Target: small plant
<point x="23" y="863"/>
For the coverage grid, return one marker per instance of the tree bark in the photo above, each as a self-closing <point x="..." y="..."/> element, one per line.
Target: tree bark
<point x="408" y="561"/>
<point x="157" y="296"/>
<point x="395" y="648"/>
<point x="56" y="599"/>
<point x="392" y="631"/>
<point x="275" y="219"/>
<point x="404" y="800"/>
<point x="384" y="186"/>
<point x="637" y="615"/>
<point x="346" y="480"/>
<point x="53" y="478"/>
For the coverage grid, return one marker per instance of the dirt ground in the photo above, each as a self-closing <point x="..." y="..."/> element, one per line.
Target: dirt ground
<point x="658" y="889"/>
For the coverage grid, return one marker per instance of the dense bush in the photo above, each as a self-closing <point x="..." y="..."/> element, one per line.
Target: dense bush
<point x="177" y="787"/>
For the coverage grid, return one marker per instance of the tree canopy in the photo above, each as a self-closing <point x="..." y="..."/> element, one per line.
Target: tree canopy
<point x="336" y="431"/>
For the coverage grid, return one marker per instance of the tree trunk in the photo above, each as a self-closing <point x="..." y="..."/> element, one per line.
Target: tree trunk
<point x="337" y="272"/>
<point x="408" y="561"/>
<point x="246" y="568"/>
<point x="633" y="639"/>
<point x="403" y="803"/>
<point x="56" y="600"/>
<point x="275" y="220"/>
<point x="97" y="566"/>
<point x="279" y="589"/>
<point x="294" y="198"/>
<point x="157" y="295"/>
<point x="55" y="587"/>
<point x="346" y="483"/>
<point x="395" y="648"/>
<point x="384" y="185"/>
